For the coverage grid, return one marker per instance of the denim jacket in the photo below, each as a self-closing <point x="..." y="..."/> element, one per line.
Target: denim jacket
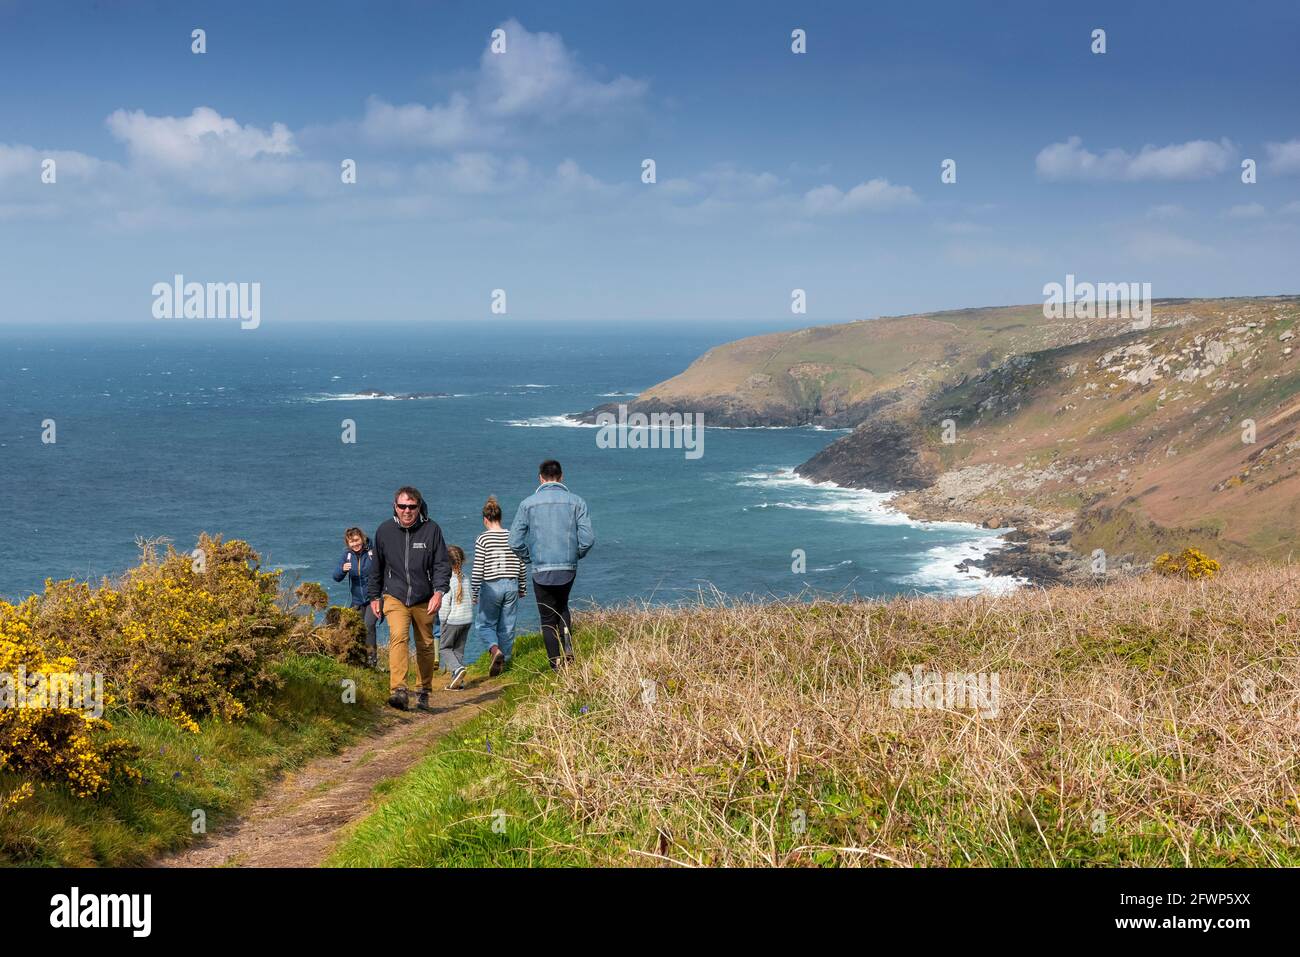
<point x="551" y="529"/>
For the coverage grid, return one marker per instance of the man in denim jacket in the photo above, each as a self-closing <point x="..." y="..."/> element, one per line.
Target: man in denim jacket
<point x="551" y="531"/>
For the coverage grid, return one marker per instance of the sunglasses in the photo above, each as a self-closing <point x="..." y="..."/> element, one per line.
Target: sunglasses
<point x="406" y="508"/>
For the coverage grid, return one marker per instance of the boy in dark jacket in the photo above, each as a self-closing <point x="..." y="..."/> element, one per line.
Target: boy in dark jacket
<point x="355" y="566"/>
<point x="406" y="581"/>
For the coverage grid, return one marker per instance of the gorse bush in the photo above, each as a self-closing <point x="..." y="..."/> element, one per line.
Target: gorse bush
<point x="180" y="636"/>
<point x="342" y="636"/>
<point x="63" y="745"/>
<point x="184" y="636"/>
<point x="1189" y="563"/>
<point x="312" y="595"/>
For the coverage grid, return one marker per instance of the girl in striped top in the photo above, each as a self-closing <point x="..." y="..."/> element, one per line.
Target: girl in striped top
<point x="499" y="582"/>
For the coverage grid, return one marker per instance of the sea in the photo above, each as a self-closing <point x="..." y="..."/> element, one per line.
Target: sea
<point x="112" y="433"/>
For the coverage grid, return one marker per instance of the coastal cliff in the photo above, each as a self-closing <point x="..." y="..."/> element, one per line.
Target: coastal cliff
<point x="1081" y="434"/>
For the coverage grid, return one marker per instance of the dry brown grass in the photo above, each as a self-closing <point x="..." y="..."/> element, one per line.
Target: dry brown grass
<point x="1151" y="722"/>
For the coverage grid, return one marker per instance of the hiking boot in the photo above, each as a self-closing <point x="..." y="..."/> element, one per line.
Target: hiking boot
<point x="457" y="679"/>
<point x="498" y="662"/>
<point x="398" y="700"/>
<point x="422" y="701"/>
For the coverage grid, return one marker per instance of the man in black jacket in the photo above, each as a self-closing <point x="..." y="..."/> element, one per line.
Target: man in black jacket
<point x="408" y="577"/>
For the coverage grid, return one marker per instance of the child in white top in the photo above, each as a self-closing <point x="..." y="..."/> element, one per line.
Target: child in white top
<point x="455" y="616"/>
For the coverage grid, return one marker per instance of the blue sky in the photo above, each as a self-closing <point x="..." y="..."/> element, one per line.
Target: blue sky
<point x="522" y="171"/>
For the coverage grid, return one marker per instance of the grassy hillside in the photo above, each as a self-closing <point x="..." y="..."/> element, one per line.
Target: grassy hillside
<point x="832" y="375"/>
<point x="1186" y="433"/>
<point x="1149" y="722"/>
<point x="1133" y="438"/>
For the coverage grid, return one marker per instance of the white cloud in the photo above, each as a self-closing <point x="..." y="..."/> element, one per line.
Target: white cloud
<point x="216" y="155"/>
<point x="471" y="173"/>
<point x="182" y="142"/>
<point x="1283" y="157"/>
<point x="536" y="77"/>
<point x="570" y="176"/>
<point x="439" y="126"/>
<point x="84" y="186"/>
<point x="19" y="163"/>
<point x="871" y="196"/>
<point x="1197" y="159"/>
<point x="174" y="160"/>
<point x="722" y="185"/>
<point x="712" y="194"/>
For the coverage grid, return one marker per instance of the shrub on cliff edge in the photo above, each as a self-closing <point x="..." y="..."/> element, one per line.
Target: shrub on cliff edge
<point x="180" y="635"/>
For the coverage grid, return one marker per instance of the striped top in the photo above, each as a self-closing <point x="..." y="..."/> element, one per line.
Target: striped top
<point x="493" y="559"/>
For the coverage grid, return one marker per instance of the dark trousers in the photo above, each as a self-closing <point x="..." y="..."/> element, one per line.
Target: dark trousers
<point x="553" y="608"/>
<point x="372" y="623"/>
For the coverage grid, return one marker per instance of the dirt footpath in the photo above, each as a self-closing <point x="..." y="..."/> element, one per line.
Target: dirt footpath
<point x="298" y="822"/>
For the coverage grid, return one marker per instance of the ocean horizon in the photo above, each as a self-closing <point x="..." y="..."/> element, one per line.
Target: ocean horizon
<point x="175" y="428"/>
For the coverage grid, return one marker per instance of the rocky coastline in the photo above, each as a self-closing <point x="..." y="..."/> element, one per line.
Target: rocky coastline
<point x="732" y="413"/>
<point x="888" y="454"/>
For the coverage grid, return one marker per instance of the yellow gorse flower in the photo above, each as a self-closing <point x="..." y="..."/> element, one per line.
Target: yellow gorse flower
<point x="171" y="637"/>
<point x="1189" y="563"/>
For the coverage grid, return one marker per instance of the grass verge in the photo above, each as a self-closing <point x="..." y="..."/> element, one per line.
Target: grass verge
<point x="465" y="804"/>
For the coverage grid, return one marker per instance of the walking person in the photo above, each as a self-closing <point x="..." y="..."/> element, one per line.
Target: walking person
<point x="408" y="577"/>
<point x="455" y="618"/>
<point x="499" y="582"/>
<point x="553" y="531"/>
<point x="355" y="566"/>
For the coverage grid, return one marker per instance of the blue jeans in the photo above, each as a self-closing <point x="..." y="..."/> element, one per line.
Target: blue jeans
<point x="494" y="622"/>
